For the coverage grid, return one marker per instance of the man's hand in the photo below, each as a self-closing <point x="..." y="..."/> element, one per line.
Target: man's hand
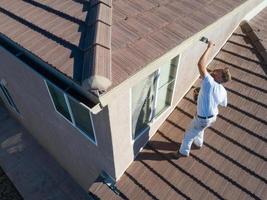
<point x="202" y="63"/>
<point x="195" y="93"/>
<point x="210" y="44"/>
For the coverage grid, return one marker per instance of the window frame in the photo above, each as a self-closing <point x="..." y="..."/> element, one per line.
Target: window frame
<point x="143" y="130"/>
<point x="155" y="114"/>
<point x="72" y="122"/>
<point x="155" y="117"/>
<point x="51" y="98"/>
<point x="7" y="98"/>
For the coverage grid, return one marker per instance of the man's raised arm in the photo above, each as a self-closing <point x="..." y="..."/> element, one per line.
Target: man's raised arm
<point x="202" y="63"/>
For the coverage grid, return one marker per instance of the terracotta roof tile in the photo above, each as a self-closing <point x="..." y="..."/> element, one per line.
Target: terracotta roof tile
<point x="162" y="24"/>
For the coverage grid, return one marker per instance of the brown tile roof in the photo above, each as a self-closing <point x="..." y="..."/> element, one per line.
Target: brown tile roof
<point x="144" y="30"/>
<point x="48" y="35"/>
<point x="75" y="36"/>
<point x="257" y="32"/>
<point x="72" y="36"/>
<point x="231" y="164"/>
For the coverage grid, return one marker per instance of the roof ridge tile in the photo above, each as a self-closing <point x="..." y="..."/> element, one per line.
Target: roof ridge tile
<point x="99" y="67"/>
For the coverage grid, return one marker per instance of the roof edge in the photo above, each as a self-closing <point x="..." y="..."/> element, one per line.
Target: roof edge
<point x="100" y="77"/>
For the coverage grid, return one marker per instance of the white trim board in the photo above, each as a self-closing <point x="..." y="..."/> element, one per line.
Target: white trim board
<point x="256" y="11"/>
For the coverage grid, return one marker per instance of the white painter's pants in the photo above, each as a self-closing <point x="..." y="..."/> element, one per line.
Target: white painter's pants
<point x="195" y="133"/>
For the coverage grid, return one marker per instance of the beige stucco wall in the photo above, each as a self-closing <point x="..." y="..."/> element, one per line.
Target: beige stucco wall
<point x="119" y="98"/>
<point x="79" y="156"/>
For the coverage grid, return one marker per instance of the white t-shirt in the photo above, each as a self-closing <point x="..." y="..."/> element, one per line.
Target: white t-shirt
<point x="211" y="95"/>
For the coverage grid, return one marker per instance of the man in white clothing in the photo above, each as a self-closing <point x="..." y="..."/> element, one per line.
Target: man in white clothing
<point x="211" y="94"/>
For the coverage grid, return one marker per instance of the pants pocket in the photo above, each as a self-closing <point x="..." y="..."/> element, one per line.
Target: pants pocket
<point x="201" y="124"/>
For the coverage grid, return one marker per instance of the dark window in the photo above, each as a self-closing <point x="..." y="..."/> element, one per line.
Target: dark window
<point x="167" y="74"/>
<point x="82" y="118"/>
<point x="59" y="101"/>
<point x="143" y="95"/>
<point x="152" y="96"/>
<point x="77" y="113"/>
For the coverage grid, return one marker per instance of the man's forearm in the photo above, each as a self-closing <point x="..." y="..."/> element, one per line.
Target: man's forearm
<point x="203" y="59"/>
<point x="202" y="63"/>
